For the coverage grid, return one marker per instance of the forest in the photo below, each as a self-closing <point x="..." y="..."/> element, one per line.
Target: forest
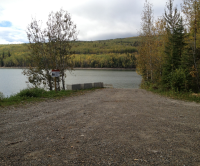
<point x="114" y="53"/>
<point x="169" y="52"/>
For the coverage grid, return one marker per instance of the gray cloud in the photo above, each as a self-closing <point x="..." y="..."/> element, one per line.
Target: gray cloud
<point x="114" y="16"/>
<point x="116" y="10"/>
<point x="105" y="36"/>
<point x="95" y="19"/>
<point x="13" y="36"/>
<point x="108" y="17"/>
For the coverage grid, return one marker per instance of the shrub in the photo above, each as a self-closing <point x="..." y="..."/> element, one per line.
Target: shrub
<point x="31" y="92"/>
<point x="1" y="96"/>
<point x="178" y="80"/>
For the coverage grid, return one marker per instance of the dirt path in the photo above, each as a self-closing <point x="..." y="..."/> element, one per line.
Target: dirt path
<point x="104" y="127"/>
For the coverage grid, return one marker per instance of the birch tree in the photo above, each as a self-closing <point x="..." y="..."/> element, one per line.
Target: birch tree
<point x="50" y="47"/>
<point x="145" y="57"/>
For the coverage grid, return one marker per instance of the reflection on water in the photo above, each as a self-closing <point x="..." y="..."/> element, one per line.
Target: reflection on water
<point x="12" y="80"/>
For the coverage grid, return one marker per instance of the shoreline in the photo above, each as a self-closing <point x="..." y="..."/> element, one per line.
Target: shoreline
<point x="81" y="68"/>
<point x="120" y="69"/>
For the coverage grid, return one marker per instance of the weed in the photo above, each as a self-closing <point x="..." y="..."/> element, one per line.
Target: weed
<point x="175" y="94"/>
<point x="37" y="94"/>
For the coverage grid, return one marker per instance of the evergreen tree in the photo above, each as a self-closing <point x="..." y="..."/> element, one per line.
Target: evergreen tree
<point x="174" y="75"/>
<point x="1" y="62"/>
<point x="9" y="55"/>
<point x="178" y="39"/>
<point x="191" y="10"/>
<point x="175" y="46"/>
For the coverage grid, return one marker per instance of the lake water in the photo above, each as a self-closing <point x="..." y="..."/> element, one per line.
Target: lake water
<point x="12" y="80"/>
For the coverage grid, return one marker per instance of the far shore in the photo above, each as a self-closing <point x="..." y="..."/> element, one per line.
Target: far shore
<point x="80" y="68"/>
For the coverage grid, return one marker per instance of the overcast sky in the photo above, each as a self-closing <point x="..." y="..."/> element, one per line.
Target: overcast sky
<point x="95" y="19"/>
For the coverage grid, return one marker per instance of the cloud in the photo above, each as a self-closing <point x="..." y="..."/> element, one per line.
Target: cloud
<point x="11" y="36"/>
<point x="98" y="18"/>
<point x="95" y="19"/>
<point x="112" y="10"/>
<point x="5" y="24"/>
<point x="112" y="35"/>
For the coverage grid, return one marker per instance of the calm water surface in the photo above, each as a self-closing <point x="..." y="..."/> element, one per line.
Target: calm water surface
<point x="12" y="80"/>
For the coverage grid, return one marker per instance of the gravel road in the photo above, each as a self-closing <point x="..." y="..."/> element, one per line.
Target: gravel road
<point x="102" y="127"/>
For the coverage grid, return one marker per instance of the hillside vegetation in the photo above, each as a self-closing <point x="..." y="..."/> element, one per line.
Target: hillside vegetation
<point x="114" y="53"/>
<point x="168" y="56"/>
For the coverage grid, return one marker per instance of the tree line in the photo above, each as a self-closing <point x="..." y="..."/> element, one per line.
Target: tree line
<point x="169" y="51"/>
<point x="110" y="60"/>
<point x="107" y="53"/>
<point x="14" y="55"/>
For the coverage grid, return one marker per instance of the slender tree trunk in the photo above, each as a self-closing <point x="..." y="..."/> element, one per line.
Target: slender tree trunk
<point x="63" y="80"/>
<point x="49" y="79"/>
<point x="151" y="68"/>
<point x="194" y="50"/>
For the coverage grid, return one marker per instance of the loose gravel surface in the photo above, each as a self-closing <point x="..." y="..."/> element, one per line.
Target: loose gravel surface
<point x="103" y="127"/>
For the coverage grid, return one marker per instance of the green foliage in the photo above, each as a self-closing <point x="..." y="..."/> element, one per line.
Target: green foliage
<point x="172" y="93"/>
<point x="125" y="45"/>
<point x="176" y="70"/>
<point x="50" y="47"/>
<point x="109" y="60"/>
<point x="118" y="49"/>
<point x="15" y="55"/>
<point x="178" y="80"/>
<point x="31" y="92"/>
<point x="37" y="95"/>
<point x="174" y="50"/>
<point x="1" y="96"/>
<point x="37" y="77"/>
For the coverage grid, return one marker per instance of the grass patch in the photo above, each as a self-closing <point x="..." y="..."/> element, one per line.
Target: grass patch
<point x="37" y="94"/>
<point x="180" y="95"/>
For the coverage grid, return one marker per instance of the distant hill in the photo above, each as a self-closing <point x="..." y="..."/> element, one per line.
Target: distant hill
<point x="17" y="54"/>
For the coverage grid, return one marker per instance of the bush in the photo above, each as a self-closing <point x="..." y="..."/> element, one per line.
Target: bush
<point x="31" y="92"/>
<point x="178" y="80"/>
<point x="1" y="96"/>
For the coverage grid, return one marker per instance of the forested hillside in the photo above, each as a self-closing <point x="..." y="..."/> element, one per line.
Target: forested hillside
<point x="116" y="53"/>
